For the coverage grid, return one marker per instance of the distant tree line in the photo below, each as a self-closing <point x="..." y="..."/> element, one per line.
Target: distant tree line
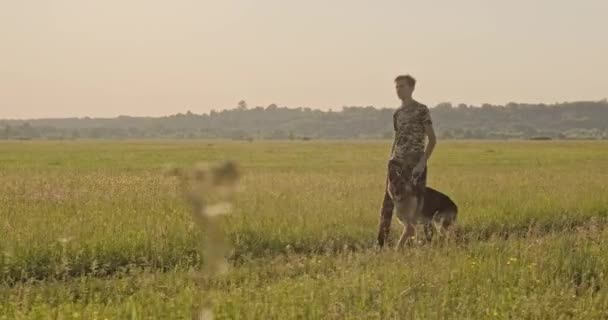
<point x="572" y="120"/>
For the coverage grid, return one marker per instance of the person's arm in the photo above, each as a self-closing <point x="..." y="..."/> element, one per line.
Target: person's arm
<point x="429" y="131"/>
<point x="394" y="134"/>
<point x="430" y="147"/>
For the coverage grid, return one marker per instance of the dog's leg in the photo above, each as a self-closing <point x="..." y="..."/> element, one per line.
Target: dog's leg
<point x="407" y="235"/>
<point x="406" y="212"/>
<point x="448" y="217"/>
<point x="428" y="231"/>
<point x="443" y="219"/>
<point x="438" y="224"/>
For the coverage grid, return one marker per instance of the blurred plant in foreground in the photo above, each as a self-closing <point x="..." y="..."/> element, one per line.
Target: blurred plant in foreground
<point x="210" y="190"/>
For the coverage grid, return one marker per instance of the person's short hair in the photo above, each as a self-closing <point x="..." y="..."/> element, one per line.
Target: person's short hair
<point x="407" y="78"/>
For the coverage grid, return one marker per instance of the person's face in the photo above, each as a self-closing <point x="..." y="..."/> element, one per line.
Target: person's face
<point x="404" y="90"/>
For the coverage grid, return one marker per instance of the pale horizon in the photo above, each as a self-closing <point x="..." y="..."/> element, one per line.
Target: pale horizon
<point x="68" y="58"/>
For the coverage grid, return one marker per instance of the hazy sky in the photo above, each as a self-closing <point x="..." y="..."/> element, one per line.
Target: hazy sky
<point x="63" y="58"/>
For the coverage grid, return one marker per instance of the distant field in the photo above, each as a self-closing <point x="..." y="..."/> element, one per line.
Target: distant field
<point x="93" y="230"/>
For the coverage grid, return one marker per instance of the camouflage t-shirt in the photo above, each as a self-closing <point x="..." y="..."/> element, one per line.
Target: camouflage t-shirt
<point x="409" y="124"/>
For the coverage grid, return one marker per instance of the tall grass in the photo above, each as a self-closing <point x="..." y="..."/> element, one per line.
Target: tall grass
<point x="94" y="228"/>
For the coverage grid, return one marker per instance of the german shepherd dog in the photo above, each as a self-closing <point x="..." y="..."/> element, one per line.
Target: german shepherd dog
<point x="414" y="205"/>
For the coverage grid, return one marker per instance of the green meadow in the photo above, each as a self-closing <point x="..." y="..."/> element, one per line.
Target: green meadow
<point x="96" y="230"/>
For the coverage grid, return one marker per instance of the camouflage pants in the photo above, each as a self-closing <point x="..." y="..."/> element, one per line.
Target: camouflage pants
<point x="386" y="211"/>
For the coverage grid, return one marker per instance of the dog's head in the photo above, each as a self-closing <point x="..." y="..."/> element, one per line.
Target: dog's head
<point x="399" y="183"/>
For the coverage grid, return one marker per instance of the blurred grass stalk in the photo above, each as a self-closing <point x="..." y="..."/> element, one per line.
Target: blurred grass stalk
<point x="210" y="191"/>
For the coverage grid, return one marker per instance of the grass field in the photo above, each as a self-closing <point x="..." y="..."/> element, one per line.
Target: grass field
<point x="94" y="230"/>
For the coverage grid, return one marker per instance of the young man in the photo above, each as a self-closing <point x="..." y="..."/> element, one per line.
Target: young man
<point x="412" y="124"/>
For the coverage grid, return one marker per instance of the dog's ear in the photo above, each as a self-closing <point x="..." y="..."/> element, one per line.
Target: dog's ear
<point x="394" y="170"/>
<point x="393" y="167"/>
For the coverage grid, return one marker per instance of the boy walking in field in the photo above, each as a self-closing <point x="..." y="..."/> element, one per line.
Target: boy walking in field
<point x="412" y="124"/>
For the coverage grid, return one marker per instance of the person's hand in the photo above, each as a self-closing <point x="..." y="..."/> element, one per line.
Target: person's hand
<point x="418" y="169"/>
